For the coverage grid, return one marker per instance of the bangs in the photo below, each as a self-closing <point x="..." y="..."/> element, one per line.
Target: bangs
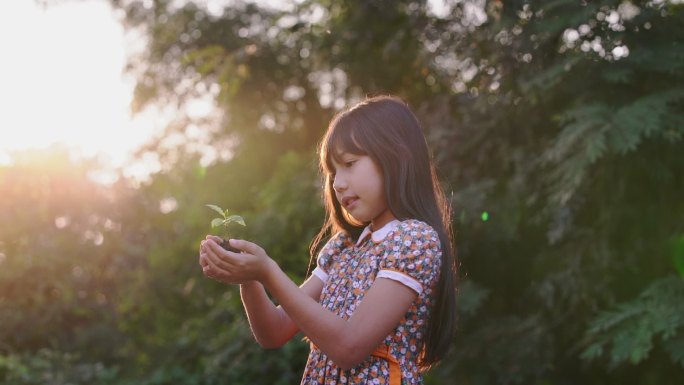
<point x="340" y="140"/>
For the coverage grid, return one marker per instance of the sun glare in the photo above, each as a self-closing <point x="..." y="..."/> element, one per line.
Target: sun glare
<point x="62" y="81"/>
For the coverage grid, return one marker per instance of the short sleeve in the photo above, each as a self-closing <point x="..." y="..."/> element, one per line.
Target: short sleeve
<point x="413" y="256"/>
<point x="325" y="256"/>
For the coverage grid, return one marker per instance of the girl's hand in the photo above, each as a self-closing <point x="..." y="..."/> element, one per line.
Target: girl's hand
<point x="202" y="254"/>
<point x="251" y="264"/>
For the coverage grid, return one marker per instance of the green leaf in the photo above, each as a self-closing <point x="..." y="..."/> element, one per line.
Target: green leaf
<point x="642" y="118"/>
<point x="235" y="218"/>
<point x="631" y="327"/>
<point x="618" y="75"/>
<point x="594" y="351"/>
<point x="471" y="297"/>
<point x="676" y="349"/>
<point x="217" y="209"/>
<point x="216" y="222"/>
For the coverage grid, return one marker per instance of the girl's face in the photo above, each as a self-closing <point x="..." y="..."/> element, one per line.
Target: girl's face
<point x="359" y="187"/>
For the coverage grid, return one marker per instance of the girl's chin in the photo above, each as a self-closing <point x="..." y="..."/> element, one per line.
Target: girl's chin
<point x="356" y="220"/>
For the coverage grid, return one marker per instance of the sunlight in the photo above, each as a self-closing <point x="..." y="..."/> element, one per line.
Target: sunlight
<point x="64" y="82"/>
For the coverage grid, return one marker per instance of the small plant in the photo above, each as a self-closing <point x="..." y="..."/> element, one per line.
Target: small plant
<point x="224" y="221"/>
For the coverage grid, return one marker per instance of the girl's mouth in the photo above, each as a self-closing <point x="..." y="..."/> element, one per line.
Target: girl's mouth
<point x="348" y="202"/>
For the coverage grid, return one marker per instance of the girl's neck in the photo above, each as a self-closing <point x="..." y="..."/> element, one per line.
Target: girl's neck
<point x="380" y="221"/>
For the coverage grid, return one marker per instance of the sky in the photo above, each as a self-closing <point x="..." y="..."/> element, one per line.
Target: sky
<point x="62" y="81"/>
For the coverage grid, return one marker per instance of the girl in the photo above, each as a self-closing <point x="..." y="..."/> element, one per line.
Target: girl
<point x="379" y="306"/>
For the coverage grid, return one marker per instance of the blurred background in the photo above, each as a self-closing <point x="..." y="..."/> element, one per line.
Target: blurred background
<point x="557" y="127"/>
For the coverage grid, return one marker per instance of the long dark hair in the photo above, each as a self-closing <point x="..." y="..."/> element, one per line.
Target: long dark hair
<point x="384" y="128"/>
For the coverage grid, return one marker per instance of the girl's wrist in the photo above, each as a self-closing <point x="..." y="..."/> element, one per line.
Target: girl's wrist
<point x="270" y="272"/>
<point x="249" y="284"/>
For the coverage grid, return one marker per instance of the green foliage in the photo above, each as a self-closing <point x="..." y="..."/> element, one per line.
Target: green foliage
<point x="225" y="219"/>
<point x="289" y="209"/>
<point x="470" y="298"/>
<point x="60" y="265"/>
<point x="50" y="367"/>
<point x="596" y="130"/>
<point x="630" y="328"/>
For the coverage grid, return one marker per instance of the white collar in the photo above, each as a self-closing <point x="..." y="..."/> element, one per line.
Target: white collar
<point x="380" y="234"/>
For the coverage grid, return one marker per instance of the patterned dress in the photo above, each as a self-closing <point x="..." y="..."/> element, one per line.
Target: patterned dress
<point x="408" y="252"/>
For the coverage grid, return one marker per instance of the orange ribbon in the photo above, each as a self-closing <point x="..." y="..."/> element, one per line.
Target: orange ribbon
<point x="383" y="352"/>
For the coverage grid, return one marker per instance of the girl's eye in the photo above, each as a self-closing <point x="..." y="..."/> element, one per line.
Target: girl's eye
<point x="349" y="163"/>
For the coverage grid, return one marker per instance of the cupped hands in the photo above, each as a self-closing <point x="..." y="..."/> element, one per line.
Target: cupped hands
<point x="251" y="264"/>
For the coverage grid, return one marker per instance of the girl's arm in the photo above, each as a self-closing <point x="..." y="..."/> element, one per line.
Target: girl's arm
<point x="346" y="342"/>
<point x="271" y="325"/>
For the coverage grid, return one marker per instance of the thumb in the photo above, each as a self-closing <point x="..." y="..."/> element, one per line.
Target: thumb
<point x="249" y="247"/>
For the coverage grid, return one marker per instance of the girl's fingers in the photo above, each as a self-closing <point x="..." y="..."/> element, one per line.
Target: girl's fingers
<point x="230" y="267"/>
<point x="215" y="260"/>
<point x="213" y="246"/>
<point x="215" y="266"/>
<point x="245" y="246"/>
<point x="211" y="242"/>
<point x="213" y="237"/>
<point x="218" y="276"/>
<point x="208" y="271"/>
<point x="249" y="247"/>
<point x="219" y="262"/>
<point x="215" y="272"/>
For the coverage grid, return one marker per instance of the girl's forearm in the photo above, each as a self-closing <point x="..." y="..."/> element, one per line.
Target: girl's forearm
<point x="329" y="332"/>
<point x="270" y="326"/>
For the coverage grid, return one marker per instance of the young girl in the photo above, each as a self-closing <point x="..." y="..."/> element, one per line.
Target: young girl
<point x="379" y="306"/>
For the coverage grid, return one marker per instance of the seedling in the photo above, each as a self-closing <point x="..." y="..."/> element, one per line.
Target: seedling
<point x="224" y="221"/>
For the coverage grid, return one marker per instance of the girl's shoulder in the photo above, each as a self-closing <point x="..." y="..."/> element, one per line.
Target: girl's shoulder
<point x="412" y="233"/>
<point x="415" y="227"/>
<point x="338" y="241"/>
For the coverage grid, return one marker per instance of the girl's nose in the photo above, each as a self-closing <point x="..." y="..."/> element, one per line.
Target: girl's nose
<point x="338" y="184"/>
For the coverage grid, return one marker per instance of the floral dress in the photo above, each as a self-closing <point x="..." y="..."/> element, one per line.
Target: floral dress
<point x="408" y="252"/>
